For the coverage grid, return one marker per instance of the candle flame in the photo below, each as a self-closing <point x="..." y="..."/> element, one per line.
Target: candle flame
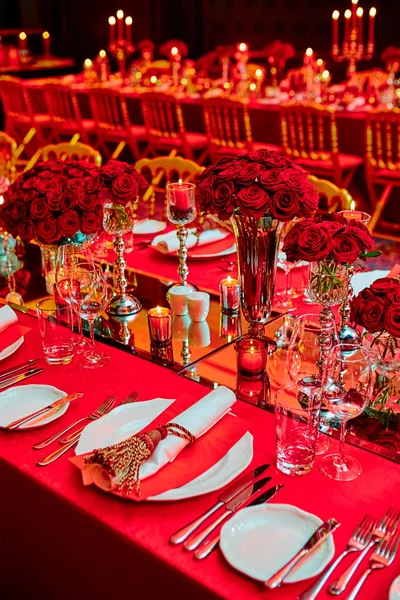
<point x="128" y="21"/>
<point x="22" y="35"/>
<point x="325" y="74"/>
<point x="1" y="200"/>
<point x="335" y="14"/>
<point x="252" y="87"/>
<point x="174" y="51"/>
<point x="352" y="205"/>
<point x="153" y="79"/>
<point x="354" y="1"/>
<point x="320" y="62"/>
<point x="242" y="47"/>
<point x="46" y="35"/>
<point x="229" y="279"/>
<point x="111" y="20"/>
<point x="180" y="181"/>
<point x="347" y="14"/>
<point x="359" y="12"/>
<point x="309" y="52"/>
<point x="102" y="53"/>
<point x="372" y="11"/>
<point x="120" y="14"/>
<point x="88" y="63"/>
<point x="158" y="309"/>
<point x="258" y="72"/>
<point x="227" y="85"/>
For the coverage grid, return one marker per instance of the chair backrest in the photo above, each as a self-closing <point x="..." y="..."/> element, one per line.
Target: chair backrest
<point x="16" y="103"/>
<point x="331" y="197"/>
<point x="162" y="116"/>
<point x="62" y="104"/>
<point x="383" y="140"/>
<point x="162" y="170"/>
<point x="66" y="151"/>
<point x="227" y="125"/>
<point x="8" y="157"/>
<point x="109" y="110"/>
<point x="309" y="131"/>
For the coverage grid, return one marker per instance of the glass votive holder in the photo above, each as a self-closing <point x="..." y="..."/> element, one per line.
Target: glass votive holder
<point x="357" y="215"/>
<point x="251" y="356"/>
<point x="181" y="203"/>
<point x="229" y="290"/>
<point x="160" y="325"/>
<point x="230" y="326"/>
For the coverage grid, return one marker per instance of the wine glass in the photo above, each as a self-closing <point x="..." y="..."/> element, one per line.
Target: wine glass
<point x="68" y="256"/>
<point x="303" y="362"/>
<point x="88" y="293"/>
<point x="346" y="391"/>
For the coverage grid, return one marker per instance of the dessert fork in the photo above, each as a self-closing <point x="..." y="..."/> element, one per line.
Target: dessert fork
<point x="133" y="396"/>
<point x="387" y="525"/>
<point x="381" y="558"/>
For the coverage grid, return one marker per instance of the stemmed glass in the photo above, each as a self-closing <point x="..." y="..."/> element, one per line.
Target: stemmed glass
<point x="346" y="391"/>
<point x="181" y="210"/>
<point x="303" y="363"/>
<point x="89" y="300"/>
<point x="68" y="256"/>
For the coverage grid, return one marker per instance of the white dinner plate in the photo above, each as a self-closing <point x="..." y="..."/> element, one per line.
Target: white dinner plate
<point x="260" y="540"/>
<point x="394" y="593"/>
<point x="225" y="252"/>
<point x="11" y="349"/>
<point x="126" y="420"/>
<point x="148" y="227"/>
<point x="22" y="400"/>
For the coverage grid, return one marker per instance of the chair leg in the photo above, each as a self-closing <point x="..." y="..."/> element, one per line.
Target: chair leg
<point x="202" y="157"/>
<point x="348" y="179"/>
<point x="379" y="208"/>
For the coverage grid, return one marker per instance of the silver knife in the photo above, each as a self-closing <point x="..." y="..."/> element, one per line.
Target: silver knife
<point x="237" y="502"/>
<point x="207" y="547"/>
<point x="17" y="378"/>
<point x="226" y="496"/>
<point x="56" y="404"/>
<point x="315" y="540"/>
<point x="25" y="365"/>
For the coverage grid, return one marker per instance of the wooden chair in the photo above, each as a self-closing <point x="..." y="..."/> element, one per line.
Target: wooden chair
<point x="66" y="151"/>
<point x="310" y="138"/>
<point x="331" y="197"/>
<point x="382" y="161"/>
<point x="228" y="128"/>
<point x="164" y="169"/>
<point x="20" y="118"/>
<point x="65" y="115"/>
<point x="112" y="123"/>
<point x="165" y="127"/>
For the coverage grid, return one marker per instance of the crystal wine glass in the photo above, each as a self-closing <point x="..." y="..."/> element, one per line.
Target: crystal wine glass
<point x="303" y="363"/>
<point x="346" y="391"/>
<point x="68" y="256"/>
<point x="89" y="300"/>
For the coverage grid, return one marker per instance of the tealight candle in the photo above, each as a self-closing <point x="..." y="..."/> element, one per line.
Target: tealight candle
<point x="357" y="215"/>
<point x="251" y="356"/>
<point x="160" y="329"/>
<point x="46" y="43"/>
<point x="229" y="290"/>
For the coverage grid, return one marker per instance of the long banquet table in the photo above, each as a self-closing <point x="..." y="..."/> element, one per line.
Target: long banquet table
<point x="61" y="540"/>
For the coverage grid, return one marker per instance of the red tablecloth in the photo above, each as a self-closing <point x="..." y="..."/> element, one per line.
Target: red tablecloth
<point x="61" y="540"/>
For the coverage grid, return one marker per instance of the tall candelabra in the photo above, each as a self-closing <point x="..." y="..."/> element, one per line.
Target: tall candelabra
<point x="120" y="45"/>
<point x="353" y="49"/>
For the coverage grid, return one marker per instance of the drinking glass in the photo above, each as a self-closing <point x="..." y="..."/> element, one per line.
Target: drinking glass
<point x="346" y="391"/>
<point x="89" y="300"/>
<point x="68" y="256"/>
<point x="296" y="432"/>
<point x="303" y="364"/>
<point x="55" y="331"/>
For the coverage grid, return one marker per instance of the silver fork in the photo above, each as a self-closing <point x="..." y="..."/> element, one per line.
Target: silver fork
<point x="380" y="559"/>
<point x="358" y="541"/>
<point x="96" y="414"/>
<point x="388" y="525"/>
<point x="75" y="434"/>
<point x="60" y="451"/>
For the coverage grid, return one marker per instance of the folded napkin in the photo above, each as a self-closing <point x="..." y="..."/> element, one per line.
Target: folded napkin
<point x="10" y="331"/>
<point x="360" y="281"/>
<point x="207" y="420"/>
<point x="168" y="242"/>
<point x="357" y="103"/>
<point x="7" y="317"/>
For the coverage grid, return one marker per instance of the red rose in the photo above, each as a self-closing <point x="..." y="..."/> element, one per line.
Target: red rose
<point x="205" y="195"/>
<point x="223" y="199"/>
<point x="295" y="179"/>
<point x="18" y="210"/>
<point x="67" y="202"/>
<point x="272" y="179"/>
<point x="39" y="209"/>
<point x="394" y="295"/>
<point x="249" y="173"/>
<point x="124" y="188"/>
<point x="69" y="223"/>
<point x="373" y="315"/>
<point x="30" y="183"/>
<point x="392" y="320"/>
<point x="345" y="249"/>
<point x="384" y="285"/>
<point x="75" y="184"/>
<point x="93" y="184"/>
<point x="26" y="230"/>
<point x="229" y="173"/>
<point x="87" y="202"/>
<point x="46" y="185"/>
<point x="253" y="201"/>
<point x="89" y="223"/>
<point x="7" y="221"/>
<point x="284" y="204"/>
<point x="268" y="158"/>
<point x="309" y="199"/>
<point x="54" y="200"/>
<point x="314" y="244"/>
<point x="75" y="172"/>
<point x="47" y="231"/>
<point x="291" y="242"/>
<point x="46" y="174"/>
<point x="113" y="168"/>
<point x="361" y="235"/>
<point x="222" y="164"/>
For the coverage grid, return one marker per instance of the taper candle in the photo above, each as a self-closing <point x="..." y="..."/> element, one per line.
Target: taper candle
<point x="111" y="22"/>
<point x="128" y="29"/>
<point x="347" y="17"/>
<point x="335" y="27"/>
<point x="22" y="41"/>
<point x="360" y="13"/>
<point x="353" y="13"/>
<point x="46" y="43"/>
<point x="372" y="14"/>
<point x="120" y="24"/>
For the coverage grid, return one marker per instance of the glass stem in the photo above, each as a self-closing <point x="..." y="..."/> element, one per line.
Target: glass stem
<point x="80" y="325"/>
<point x="92" y="342"/>
<point x="343" y="425"/>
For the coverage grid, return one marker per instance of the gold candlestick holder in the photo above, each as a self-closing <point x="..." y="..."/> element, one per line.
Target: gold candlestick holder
<point x="353" y="49"/>
<point x="121" y="47"/>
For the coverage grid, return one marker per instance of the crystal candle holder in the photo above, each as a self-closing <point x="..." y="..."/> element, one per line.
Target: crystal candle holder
<point x="181" y="204"/>
<point x="229" y="290"/>
<point x="230" y="326"/>
<point x="251" y="356"/>
<point x="160" y="325"/>
<point x="357" y="215"/>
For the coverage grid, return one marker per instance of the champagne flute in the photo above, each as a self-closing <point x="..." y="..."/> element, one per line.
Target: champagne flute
<point x="346" y="391"/>
<point x="89" y="300"/>
<point x="302" y="359"/>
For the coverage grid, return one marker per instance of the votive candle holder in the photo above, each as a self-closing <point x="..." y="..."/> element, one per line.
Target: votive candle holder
<point x="160" y="325"/>
<point x="251" y="356"/>
<point x="229" y="289"/>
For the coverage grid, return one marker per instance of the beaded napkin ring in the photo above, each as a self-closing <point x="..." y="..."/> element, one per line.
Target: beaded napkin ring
<point x="122" y="461"/>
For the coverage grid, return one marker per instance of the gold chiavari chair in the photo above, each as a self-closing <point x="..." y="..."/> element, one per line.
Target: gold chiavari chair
<point x="228" y="128"/>
<point x="112" y="123"/>
<point x="66" y="151"/>
<point x="162" y="170"/>
<point x="165" y="127"/>
<point x="65" y="115"/>
<point x="8" y="156"/>
<point x="331" y="197"/>
<point x="310" y="138"/>
<point x="382" y="161"/>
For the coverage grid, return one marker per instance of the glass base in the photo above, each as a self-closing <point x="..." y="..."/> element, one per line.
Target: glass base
<point x="122" y="306"/>
<point x="340" y="468"/>
<point x="94" y="360"/>
<point x="322" y="444"/>
<point x="81" y="345"/>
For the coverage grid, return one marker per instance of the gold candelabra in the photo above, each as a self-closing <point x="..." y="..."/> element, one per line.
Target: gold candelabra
<point x="353" y="49"/>
<point x="120" y="45"/>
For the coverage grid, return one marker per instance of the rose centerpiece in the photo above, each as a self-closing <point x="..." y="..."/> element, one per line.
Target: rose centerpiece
<point x="120" y="187"/>
<point x="259" y="191"/>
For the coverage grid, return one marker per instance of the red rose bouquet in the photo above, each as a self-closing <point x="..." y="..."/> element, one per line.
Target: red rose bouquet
<point x="258" y="184"/>
<point x="54" y="202"/>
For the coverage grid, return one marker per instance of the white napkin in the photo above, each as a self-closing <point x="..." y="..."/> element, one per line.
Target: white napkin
<point x="356" y="103"/>
<point x="7" y="317"/>
<point x="360" y="281"/>
<point x="168" y="242"/>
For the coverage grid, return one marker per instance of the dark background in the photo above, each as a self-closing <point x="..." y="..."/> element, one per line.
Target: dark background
<point x="79" y="28"/>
